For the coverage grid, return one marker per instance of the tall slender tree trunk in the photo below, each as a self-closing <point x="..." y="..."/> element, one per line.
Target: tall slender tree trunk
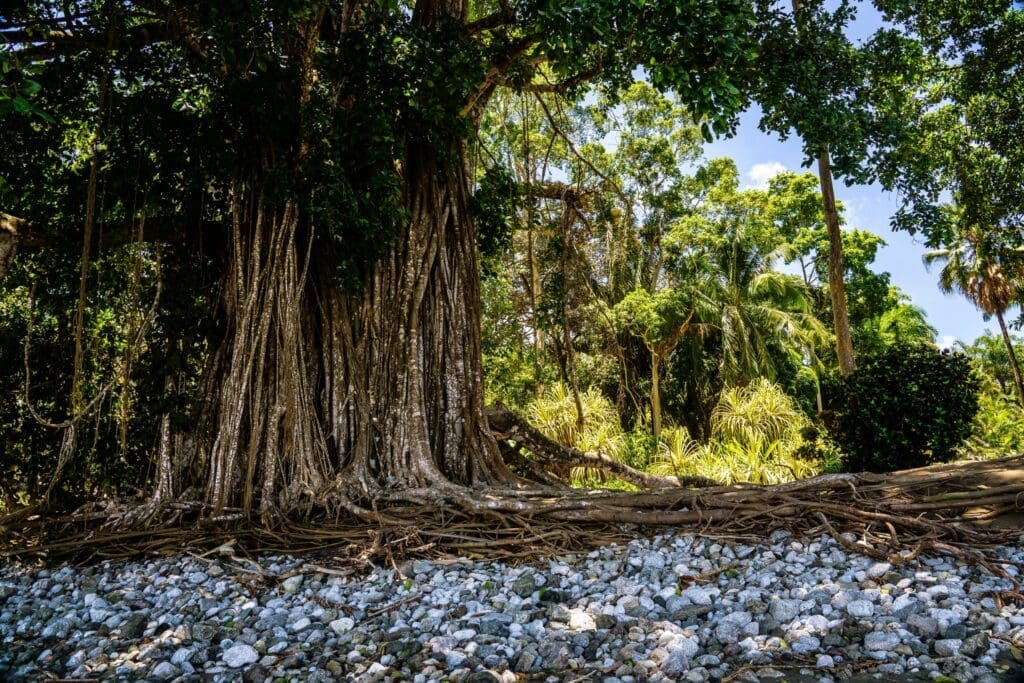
<point x="538" y="339"/>
<point x="1014" y="365"/>
<point x="570" y="352"/>
<point x="836" y="283"/>
<point x="531" y="257"/>
<point x="655" y="394"/>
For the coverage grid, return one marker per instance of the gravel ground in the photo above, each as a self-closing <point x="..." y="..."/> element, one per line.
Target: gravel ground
<point x="675" y="607"/>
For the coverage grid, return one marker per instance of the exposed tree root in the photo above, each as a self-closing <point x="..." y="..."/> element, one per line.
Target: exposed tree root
<point x="866" y="513"/>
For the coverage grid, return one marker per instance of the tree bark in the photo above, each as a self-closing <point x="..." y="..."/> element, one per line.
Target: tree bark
<point x="538" y="339"/>
<point x="421" y="334"/>
<point x="11" y="234"/>
<point x="1014" y="365"/>
<point x="836" y="283"/>
<point x="655" y="395"/>
<point x="321" y="391"/>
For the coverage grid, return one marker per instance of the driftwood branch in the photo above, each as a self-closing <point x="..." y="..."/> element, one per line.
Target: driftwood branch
<point x="511" y="427"/>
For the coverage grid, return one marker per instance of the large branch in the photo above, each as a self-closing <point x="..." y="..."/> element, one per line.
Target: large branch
<point x="504" y="16"/>
<point x="564" y="85"/>
<point x="500" y="64"/>
<point x="551" y="190"/>
<point x="509" y="426"/>
<point x="17" y="233"/>
<point x="44" y="44"/>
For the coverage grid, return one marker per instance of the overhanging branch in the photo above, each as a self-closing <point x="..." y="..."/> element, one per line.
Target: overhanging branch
<point x="18" y="233"/>
<point x="564" y="85"/>
<point x="35" y="44"/>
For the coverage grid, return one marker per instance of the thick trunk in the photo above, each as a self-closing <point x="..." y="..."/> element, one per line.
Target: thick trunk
<point x="320" y="391"/>
<point x="322" y="397"/>
<point x="420" y="333"/>
<point x="268" y="436"/>
<point x="836" y="284"/>
<point x="1014" y="365"/>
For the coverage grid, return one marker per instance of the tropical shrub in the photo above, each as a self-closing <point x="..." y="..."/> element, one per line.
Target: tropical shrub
<point x="757" y="437"/>
<point x="998" y="427"/>
<point x="554" y="413"/>
<point x="908" y="406"/>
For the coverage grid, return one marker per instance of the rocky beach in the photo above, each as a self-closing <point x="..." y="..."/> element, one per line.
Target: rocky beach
<point x="671" y="608"/>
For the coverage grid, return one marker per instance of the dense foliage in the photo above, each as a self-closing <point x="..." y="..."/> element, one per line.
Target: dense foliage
<point x="259" y="253"/>
<point x="906" y="407"/>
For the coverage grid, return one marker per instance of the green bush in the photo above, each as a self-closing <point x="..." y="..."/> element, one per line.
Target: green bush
<point x="757" y="437"/>
<point x="906" y="407"/>
<point x="554" y="414"/>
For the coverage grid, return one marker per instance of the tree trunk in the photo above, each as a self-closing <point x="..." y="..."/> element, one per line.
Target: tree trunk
<point x="420" y="332"/>
<point x="538" y="339"/>
<point x="836" y="284"/>
<point x="321" y="392"/>
<point x="570" y="352"/>
<point x="1014" y="365"/>
<point x="655" y="395"/>
<point x="9" y="239"/>
<point x="163" y="487"/>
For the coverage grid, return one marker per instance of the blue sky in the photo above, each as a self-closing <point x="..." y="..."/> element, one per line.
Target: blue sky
<point x="759" y="155"/>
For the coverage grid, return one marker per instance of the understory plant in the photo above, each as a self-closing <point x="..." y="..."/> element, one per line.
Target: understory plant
<point x="757" y="437"/>
<point x="555" y="414"/>
<point x="998" y="427"/>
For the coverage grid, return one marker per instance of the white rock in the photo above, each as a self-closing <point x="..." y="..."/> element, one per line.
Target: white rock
<point x="697" y="595"/>
<point x="879" y="569"/>
<point x="164" y="671"/>
<point x="238" y="656"/>
<point x="860" y="609"/>
<point x="581" y="621"/>
<point x="342" y="625"/>
<point x="881" y="641"/>
<point x="292" y="584"/>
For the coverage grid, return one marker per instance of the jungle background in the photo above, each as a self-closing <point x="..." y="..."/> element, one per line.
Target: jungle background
<point x="636" y="300"/>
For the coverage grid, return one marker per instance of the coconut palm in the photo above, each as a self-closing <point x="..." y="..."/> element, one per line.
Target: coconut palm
<point x="746" y="317"/>
<point x="753" y="308"/>
<point x="985" y="276"/>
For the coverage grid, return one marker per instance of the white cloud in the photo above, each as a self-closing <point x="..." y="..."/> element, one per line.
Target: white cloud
<point x="760" y="174"/>
<point x="946" y="341"/>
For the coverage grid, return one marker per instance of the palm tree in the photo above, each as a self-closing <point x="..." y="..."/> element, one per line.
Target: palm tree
<point x="745" y="318"/>
<point x="981" y="272"/>
<point x="754" y="308"/>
